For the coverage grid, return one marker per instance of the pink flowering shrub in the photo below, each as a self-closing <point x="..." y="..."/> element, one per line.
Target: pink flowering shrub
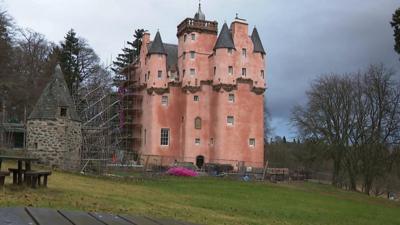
<point x="181" y="172"/>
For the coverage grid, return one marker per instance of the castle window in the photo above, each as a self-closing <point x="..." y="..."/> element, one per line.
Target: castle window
<point x="164" y="138"/>
<point x="193" y="37"/>
<point x="230" y="70"/>
<point x="192" y="54"/>
<point x="211" y="141"/>
<point x="145" y="136"/>
<point x="184" y="38"/>
<point x="231" y="97"/>
<point x="164" y="100"/>
<point x="244" y="52"/>
<point x="215" y="70"/>
<point x="230" y="120"/>
<point x="197" y="123"/>
<point x="183" y="73"/>
<point x="229" y="51"/>
<point x="196" y="98"/>
<point x="252" y="142"/>
<point x="244" y="72"/>
<point x="63" y="111"/>
<point x="184" y="55"/>
<point x="197" y="141"/>
<point x="262" y="74"/>
<point x="159" y="74"/>
<point x="192" y="72"/>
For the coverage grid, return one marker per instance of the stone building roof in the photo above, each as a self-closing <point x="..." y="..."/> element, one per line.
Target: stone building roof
<point x="157" y="47"/>
<point x="225" y="38"/>
<point x="258" y="47"/>
<point x="53" y="97"/>
<point x="172" y="53"/>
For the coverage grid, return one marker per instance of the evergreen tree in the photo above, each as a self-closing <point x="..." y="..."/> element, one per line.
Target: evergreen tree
<point x="68" y="57"/>
<point x="77" y="60"/>
<point x="130" y="53"/>
<point x="396" y="28"/>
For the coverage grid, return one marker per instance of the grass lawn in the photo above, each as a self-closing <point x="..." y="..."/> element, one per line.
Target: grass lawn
<point x="207" y="200"/>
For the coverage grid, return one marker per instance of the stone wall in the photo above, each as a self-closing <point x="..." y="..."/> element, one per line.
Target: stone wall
<point x="56" y="143"/>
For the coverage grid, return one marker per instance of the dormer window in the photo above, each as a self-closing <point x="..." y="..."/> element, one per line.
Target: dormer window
<point x="63" y="111"/>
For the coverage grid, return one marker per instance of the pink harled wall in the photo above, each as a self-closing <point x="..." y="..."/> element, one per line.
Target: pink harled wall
<point x="219" y="142"/>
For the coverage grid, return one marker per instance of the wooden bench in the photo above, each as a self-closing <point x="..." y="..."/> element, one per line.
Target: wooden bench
<point x="3" y="175"/>
<point x="33" y="178"/>
<point x="14" y="172"/>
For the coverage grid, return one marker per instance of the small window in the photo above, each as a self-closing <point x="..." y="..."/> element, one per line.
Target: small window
<point x="244" y="72"/>
<point x="159" y="74"/>
<point x="252" y="142"/>
<point x="192" y="54"/>
<point x="230" y="120"/>
<point x="184" y="38"/>
<point x="262" y="74"/>
<point x="215" y="70"/>
<point x="229" y="51"/>
<point x="197" y="123"/>
<point x="183" y="73"/>
<point x="231" y="97"/>
<point x="63" y="111"/>
<point x="196" y="98"/>
<point x="244" y="52"/>
<point x="164" y="100"/>
<point x="164" y="140"/>
<point x="145" y="77"/>
<point x="197" y="141"/>
<point x="193" y="37"/>
<point x="211" y="141"/>
<point x="145" y="136"/>
<point x="192" y="72"/>
<point x="230" y="70"/>
<point x="184" y="55"/>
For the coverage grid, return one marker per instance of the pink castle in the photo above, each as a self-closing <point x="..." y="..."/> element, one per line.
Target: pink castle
<point x="202" y="100"/>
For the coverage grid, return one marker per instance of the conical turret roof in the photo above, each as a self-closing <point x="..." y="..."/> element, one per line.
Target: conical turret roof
<point x="199" y="14"/>
<point x="258" y="47"/>
<point x="157" y="46"/>
<point x="225" y="38"/>
<point x="55" y="96"/>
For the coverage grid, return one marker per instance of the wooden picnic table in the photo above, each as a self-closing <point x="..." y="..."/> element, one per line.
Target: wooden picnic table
<point x="44" y="216"/>
<point x="20" y="160"/>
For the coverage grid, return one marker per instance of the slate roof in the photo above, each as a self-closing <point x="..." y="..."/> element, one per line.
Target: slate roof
<point x="225" y="38"/>
<point x="54" y="96"/>
<point x="157" y="47"/>
<point x="172" y="53"/>
<point x="258" y="47"/>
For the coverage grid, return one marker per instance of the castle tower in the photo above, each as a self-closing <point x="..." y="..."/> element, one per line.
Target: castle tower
<point x="53" y="128"/>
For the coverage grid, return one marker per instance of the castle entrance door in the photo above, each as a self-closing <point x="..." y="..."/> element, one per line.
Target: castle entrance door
<point x="199" y="161"/>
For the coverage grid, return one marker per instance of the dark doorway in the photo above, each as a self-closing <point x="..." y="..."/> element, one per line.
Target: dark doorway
<point x="199" y="161"/>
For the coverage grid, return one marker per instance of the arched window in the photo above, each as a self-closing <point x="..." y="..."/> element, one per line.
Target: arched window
<point x="197" y="123"/>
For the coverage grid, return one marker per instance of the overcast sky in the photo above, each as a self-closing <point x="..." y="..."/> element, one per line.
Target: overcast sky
<point x="303" y="38"/>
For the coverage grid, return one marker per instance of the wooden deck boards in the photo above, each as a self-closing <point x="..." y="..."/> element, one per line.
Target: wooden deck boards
<point x="43" y="216"/>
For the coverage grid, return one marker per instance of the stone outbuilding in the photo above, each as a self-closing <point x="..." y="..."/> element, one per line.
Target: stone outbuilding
<point x="53" y="128"/>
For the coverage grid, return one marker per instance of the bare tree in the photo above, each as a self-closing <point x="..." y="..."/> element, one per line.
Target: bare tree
<point x="327" y="117"/>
